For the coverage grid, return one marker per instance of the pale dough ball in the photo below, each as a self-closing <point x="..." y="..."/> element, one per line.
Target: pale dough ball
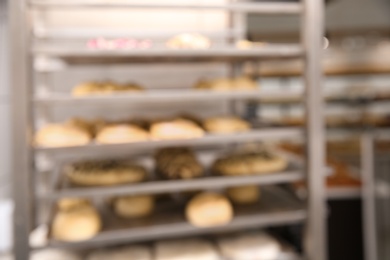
<point x="244" y="194"/>
<point x="76" y="224"/>
<point x="226" y="125"/>
<point x="122" y="133"/>
<point x="61" y="135"/>
<point x="134" y="206"/>
<point x="187" y="249"/>
<point x="208" y="210"/>
<point x="176" y="129"/>
<point x="123" y="253"/>
<point x="255" y="246"/>
<point x="54" y="254"/>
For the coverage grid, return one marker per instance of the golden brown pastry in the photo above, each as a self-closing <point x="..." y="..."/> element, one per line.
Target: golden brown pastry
<point x="244" y="194"/>
<point x="176" y="129"/>
<point x="209" y="209"/>
<point x="226" y="125"/>
<point x="134" y="206"/>
<point x="76" y="223"/>
<point x="226" y="84"/>
<point x="104" y="173"/>
<point x="62" y="135"/>
<point x="121" y="133"/>
<point x="178" y="163"/>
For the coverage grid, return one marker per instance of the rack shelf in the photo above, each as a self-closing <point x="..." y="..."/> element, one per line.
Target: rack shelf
<point x="248" y="7"/>
<point x="276" y="208"/>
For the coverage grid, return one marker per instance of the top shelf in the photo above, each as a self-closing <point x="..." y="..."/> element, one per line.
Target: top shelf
<point x="245" y="7"/>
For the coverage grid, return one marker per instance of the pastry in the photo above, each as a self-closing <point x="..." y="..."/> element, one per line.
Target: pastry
<point x="175" y="130"/>
<point x="253" y="246"/>
<point x="189" y="41"/>
<point x="77" y="223"/>
<point x="104" y="173"/>
<point x="62" y="135"/>
<point x="99" y="88"/>
<point x="133" y="252"/>
<point x="134" y="206"/>
<point x="226" y="84"/>
<point x="121" y="133"/>
<point x="71" y="203"/>
<point x="249" y="164"/>
<point x="178" y="163"/>
<point x="226" y="125"/>
<point x="54" y="254"/>
<point x="208" y="210"/>
<point x="186" y="249"/>
<point x="244" y="83"/>
<point x="244" y="194"/>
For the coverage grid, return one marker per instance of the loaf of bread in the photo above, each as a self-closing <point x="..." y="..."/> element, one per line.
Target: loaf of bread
<point x="175" y="129"/>
<point x="121" y="133"/>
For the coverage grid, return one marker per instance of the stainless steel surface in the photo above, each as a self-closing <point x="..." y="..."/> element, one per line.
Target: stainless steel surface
<point x="164" y="186"/>
<point x="312" y="39"/>
<point x="369" y="203"/>
<point x="208" y="140"/>
<point x="21" y="124"/>
<point x="275" y="208"/>
<point x="264" y="8"/>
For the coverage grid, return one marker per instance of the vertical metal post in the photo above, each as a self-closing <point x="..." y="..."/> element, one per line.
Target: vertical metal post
<point x="312" y="35"/>
<point x="368" y="190"/>
<point x="21" y="122"/>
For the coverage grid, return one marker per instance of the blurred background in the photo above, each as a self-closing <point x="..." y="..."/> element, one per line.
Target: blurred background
<point x="356" y="89"/>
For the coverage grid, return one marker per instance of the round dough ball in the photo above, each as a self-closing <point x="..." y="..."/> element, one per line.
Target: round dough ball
<point x="186" y="249"/>
<point x="54" y="254"/>
<point x="134" y="206"/>
<point x="61" y="135"/>
<point x="123" y="253"/>
<point x="176" y="129"/>
<point x="244" y="194"/>
<point x="105" y="173"/>
<point x="208" y="210"/>
<point x="226" y="125"/>
<point x="76" y="224"/>
<point x="256" y="246"/>
<point x="123" y="133"/>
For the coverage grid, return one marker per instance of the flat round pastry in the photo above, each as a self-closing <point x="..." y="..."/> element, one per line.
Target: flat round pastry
<point x="54" y="254"/>
<point x="226" y="125"/>
<point x="134" y="206"/>
<point x="208" y="210"/>
<point x="249" y="164"/>
<point x="186" y="249"/>
<point x="134" y="252"/>
<point x="104" y="173"/>
<point x="175" y="130"/>
<point x="253" y="246"/>
<point x="244" y="194"/>
<point x="62" y="135"/>
<point x="76" y="224"/>
<point x="178" y="163"/>
<point x="121" y="133"/>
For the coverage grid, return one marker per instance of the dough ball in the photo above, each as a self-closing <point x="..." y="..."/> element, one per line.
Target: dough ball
<point x="61" y="135"/>
<point x="122" y="133"/>
<point x="208" y="210"/>
<point x="176" y="129"/>
<point x="122" y="253"/>
<point x="254" y="246"/>
<point x="244" y="194"/>
<point x="226" y="125"/>
<point x="76" y="224"/>
<point x="187" y="249"/>
<point x="54" y="254"/>
<point x="105" y="173"/>
<point x="134" y="206"/>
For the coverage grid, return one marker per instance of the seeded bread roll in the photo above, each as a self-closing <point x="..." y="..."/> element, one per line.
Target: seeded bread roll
<point x="178" y="163"/>
<point x="175" y="130"/>
<point x="209" y="210"/>
<point x="104" y="173"/>
<point x="134" y="206"/>
<point x="244" y="194"/>
<point x="121" y="133"/>
<point x="226" y="125"/>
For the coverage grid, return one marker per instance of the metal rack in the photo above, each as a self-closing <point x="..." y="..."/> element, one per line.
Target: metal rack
<point x="281" y="208"/>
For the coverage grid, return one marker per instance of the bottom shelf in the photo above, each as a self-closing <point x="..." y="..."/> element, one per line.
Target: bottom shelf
<point x="277" y="207"/>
